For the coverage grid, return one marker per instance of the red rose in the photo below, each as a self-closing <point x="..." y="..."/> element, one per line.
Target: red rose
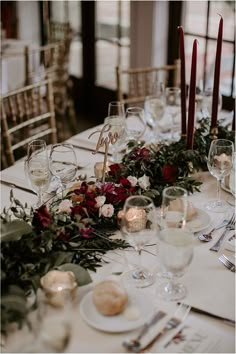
<point x="41" y="218"/>
<point x="115" y="169"/>
<point x="125" y="182"/>
<point x="140" y="154"/>
<point x="86" y="233"/>
<point x="169" y="173"/>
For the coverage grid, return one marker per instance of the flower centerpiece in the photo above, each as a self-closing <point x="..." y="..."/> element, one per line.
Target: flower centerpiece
<point x="72" y="232"/>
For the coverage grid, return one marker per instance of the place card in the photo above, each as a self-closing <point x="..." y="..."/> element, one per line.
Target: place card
<point x="198" y="337"/>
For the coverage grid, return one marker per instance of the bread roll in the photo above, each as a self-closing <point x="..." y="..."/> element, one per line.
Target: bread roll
<point x="109" y="297"/>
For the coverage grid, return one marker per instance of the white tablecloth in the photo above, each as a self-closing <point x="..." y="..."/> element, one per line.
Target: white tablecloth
<point x="210" y="285"/>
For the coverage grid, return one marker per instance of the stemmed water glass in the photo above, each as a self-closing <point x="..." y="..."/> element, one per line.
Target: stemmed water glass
<point x="116" y="108"/>
<point x="135" y="125"/>
<point x="154" y="106"/>
<point x="219" y="162"/>
<point x="173" y="108"/>
<point x="118" y="127"/>
<point x="63" y="163"/>
<point x="175" y="246"/>
<point x="37" y="168"/>
<point x="138" y="227"/>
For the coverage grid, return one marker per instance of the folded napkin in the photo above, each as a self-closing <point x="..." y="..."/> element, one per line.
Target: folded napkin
<point x="230" y="245"/>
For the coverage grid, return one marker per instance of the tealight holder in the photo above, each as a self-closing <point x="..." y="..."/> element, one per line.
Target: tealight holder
<point x="98" y="169"/>
<point x="59" y="287"/>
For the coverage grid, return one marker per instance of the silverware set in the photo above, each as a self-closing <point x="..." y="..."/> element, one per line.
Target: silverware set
<point x="230" y="265"/>
<point x="135" y="346"/>
<point x="230" y="226"/>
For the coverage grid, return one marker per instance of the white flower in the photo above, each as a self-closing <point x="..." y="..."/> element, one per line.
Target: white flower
<point x="133" y="180"/>
<point x="100" y="201"/>
<point x="107" y="210"/>
<point x="65" y="206"/>
<point x="144" y="182"/>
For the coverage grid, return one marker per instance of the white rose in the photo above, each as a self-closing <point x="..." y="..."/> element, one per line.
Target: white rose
<point x="107" y="210"/>
<point x="133" y="180"/>
<point x="65" y="206"/>
<point x="100" y="201"/>
<point x="144" y="182"/>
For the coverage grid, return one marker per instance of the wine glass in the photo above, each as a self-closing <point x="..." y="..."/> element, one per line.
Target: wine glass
<point x="138" y="226"/>
<point x="219" y="162"/>
<point x="118" y="127"/>
<point x="154" y="106"/>
<point x="37" y="168"/>
<point x="175" y="246"/>
<point x="116" y="108"/>
<point x="173" y="108"/>
<point x="63" y="163"/>
<point x="206" y="102"/>
<point x="135" y="125"/>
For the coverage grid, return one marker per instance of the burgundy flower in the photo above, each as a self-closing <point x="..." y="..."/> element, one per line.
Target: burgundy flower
<point x="86" y="233"/>
<point x="115" y="169"/>
<point x="125" y="182"/>
<point x="107" y="187"/>
<point x="78" y="210"/>
<point x="169" y="173"/>
<point x="41" y="218"/>
<point x="82" y="190"/>
<point x="140" y="154"/>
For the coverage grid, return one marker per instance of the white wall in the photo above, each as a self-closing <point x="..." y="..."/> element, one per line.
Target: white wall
<point x="28" y="21"/>
<point x="160" y="33"/>
<point x="149" y="33"/>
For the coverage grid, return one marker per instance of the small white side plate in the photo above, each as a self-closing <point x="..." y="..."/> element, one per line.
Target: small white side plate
<point x="201" y="221"/>
<point x="118" y="323"/>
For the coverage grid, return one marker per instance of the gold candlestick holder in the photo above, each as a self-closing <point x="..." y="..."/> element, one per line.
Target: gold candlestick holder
<point x="214" y="133"/>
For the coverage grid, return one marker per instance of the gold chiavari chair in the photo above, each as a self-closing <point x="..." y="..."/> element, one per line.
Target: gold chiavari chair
<point x="27" y="114"/>
<point x="52" y="61"/>
<point x="134" y="84"/>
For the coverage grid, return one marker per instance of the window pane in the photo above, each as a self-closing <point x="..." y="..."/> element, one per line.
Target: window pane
<point x="107" y="55"/>
<point x="226" y="68"/>
<point x="225" y="9"/>
<point x="107" y="19"/>
<point x="196" y="16"/>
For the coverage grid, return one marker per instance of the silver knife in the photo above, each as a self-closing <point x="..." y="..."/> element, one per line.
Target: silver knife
<point x="13" y="185"/>
<point x="88" y="148"/>
<point x="206" y="313"/>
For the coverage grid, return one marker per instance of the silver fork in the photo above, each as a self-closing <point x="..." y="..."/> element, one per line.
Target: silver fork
<point x="179" y="316"/>
<point x="229" y="226"/>
<point x="227" y="263"/>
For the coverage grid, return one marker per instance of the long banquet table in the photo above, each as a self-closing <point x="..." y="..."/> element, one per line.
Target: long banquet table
<point x="211" y="286"/>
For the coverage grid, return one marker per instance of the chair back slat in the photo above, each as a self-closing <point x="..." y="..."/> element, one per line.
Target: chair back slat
<point x="134" y="84"/>
<point x="27" y="114"/>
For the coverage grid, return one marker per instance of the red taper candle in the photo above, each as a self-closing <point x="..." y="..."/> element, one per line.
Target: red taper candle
<point x="192" y="93"/>
<point x="233" y="121"/>
<point x="215" y="98"/>
<point x="183" y="80"/>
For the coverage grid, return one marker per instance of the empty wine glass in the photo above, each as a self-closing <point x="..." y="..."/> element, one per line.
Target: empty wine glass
<point x="154" y="106"/>
<point x="173" y="108"/>
<point x="135" y="125"/>
<point x="205" y="104"/>
<point x="116" y="108"/>
<point x="63" y="163"/>
<point x="37" y="168"/>
<point x="175" y="246"/>
<point x="118" y="127"/>
<point x="138" y="227"/>
<point x="219" y="162"/>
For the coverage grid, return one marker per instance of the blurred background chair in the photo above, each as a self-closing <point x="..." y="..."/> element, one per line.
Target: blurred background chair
<point x="27" y="114"/>
<point x="51" y="61"/>
<point x="134" y="84"/>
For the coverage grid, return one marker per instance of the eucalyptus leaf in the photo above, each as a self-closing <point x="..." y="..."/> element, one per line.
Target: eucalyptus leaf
<point x="14" y="230"/>
<point x="82" y="275"/>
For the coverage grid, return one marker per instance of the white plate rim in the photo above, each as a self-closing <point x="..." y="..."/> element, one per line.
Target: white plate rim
<point x="201" y="213"/>
<point x="105" y="325"/>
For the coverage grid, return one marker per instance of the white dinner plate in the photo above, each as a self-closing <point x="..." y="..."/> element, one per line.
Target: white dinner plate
<point x="199" y="222"/>
<point x="118" y="323"/>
